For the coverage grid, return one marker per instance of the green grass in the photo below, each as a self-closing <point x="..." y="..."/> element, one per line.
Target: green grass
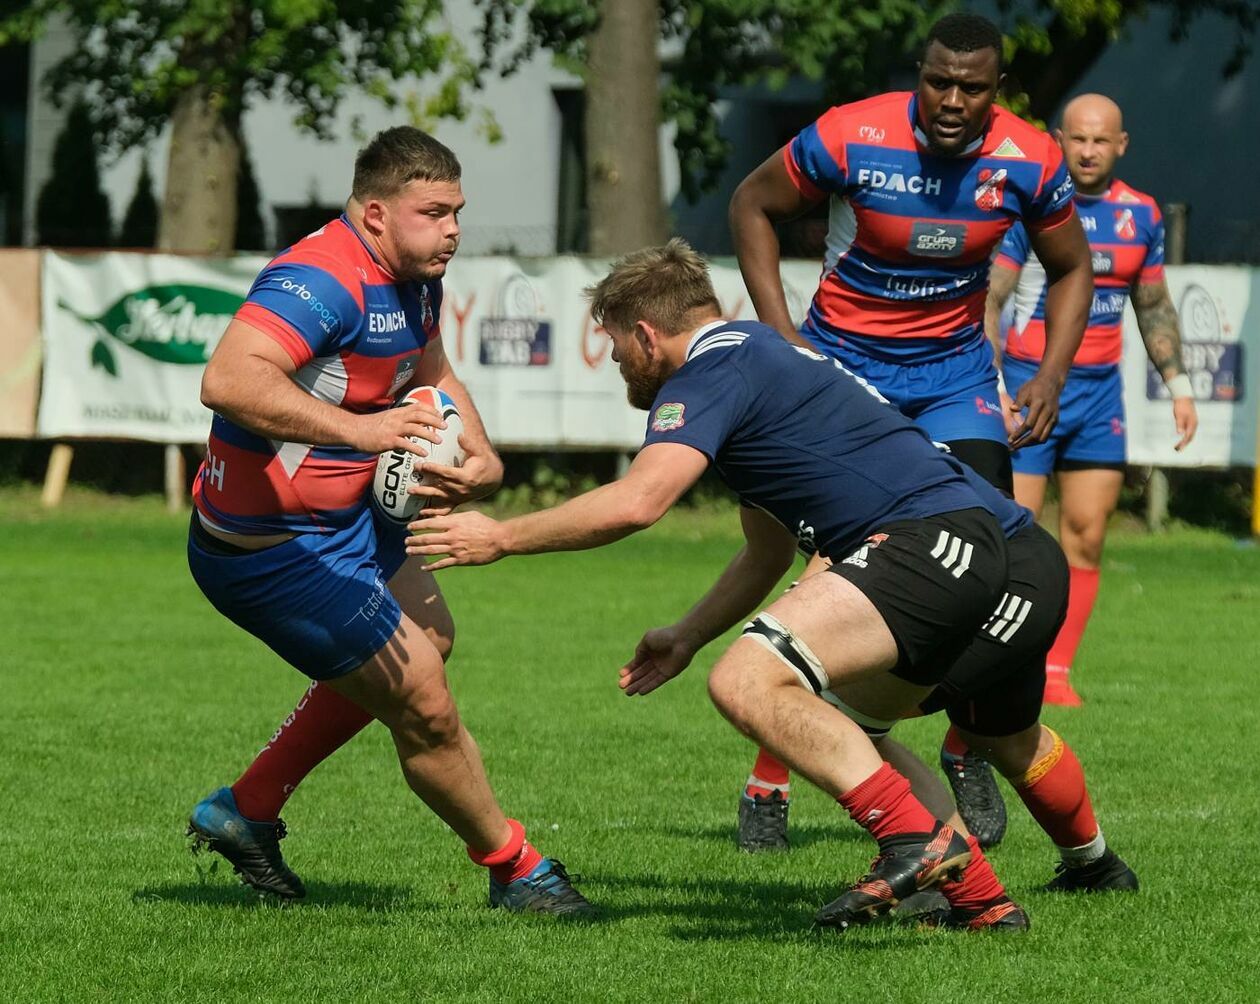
<point x="126" y="698"/>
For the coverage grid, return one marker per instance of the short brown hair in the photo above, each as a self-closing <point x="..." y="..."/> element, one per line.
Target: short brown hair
<point x="398" y="156"/>
<point x="662" y="285"/>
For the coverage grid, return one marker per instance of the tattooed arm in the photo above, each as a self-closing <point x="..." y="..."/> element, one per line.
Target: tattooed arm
<point x="1157" y="320"/>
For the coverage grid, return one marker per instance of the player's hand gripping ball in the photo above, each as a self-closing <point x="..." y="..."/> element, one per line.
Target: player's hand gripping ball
<point x="397" y="470"/>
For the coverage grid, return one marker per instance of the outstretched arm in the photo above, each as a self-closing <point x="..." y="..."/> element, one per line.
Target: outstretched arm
<point x="656" y="480"/>
<point x="1157" y="320"/>
<point x="663" y="653"/>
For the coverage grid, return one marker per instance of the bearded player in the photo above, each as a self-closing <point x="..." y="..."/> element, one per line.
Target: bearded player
<point x="1086" y="451"/>
<point x="922" y="187"/>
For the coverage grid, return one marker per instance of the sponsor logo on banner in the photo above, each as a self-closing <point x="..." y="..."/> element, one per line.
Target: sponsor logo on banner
<point x="989" y="186"/>
<point x="669" y="417"/>
<point x="1126" y="228"/>
<point x="517" y="335"/>
<point x="515" y="341"/>
<point x="936" y="240"/>
<point x="175" y="323"/>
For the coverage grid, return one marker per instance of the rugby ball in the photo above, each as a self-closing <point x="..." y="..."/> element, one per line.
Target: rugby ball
<point x="397" y="470"/>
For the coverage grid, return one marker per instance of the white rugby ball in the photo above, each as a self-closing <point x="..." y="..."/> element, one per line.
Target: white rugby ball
<point x="397" y="470"/>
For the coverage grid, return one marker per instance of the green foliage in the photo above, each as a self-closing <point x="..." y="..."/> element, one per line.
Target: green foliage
<point x="250" y="232"/>
<point x="136" y="57"/>
<point x="140" y="225"/>
<point x="73" y="209"/>
<point x="850" y="47"/>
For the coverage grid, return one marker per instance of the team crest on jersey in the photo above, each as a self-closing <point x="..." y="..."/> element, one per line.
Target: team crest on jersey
<point x="989" y="189"/>
<point x="1007" y="148"/>
<point x="1126" y="228"/>
<point x="668" y="417"/>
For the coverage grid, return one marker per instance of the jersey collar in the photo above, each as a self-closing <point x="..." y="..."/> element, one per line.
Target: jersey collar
<point x="921" y="138"/>
<point x="699" y="333"/>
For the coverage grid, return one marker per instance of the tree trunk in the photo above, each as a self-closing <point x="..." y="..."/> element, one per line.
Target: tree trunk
<point x="623" y="160"/>
<point x="199" y="205"/>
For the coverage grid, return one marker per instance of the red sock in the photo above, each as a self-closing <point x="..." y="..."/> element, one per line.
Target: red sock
<point x="768" y="775"/>
<point x="1082" y="591"/>
<point x="953" y="744"/>
<point x="1053" y="788"/>
<point x="515" y="859"/>
<point x="321" y="724"/>
<point x="884" y="806"/>
<point x="979" y="886"/>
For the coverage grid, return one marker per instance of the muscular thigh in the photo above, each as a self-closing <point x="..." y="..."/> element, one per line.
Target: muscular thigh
<point x="421" y="599"/>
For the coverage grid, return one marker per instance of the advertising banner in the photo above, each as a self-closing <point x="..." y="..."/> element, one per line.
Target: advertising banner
<point x="1219" y="309"/>
<point x="125" y="338"/>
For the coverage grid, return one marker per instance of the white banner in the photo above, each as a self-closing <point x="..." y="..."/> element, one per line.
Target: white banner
<point x="1219" y="307"/>
<point x="126" y="337"/>
<point x="520" y="335"/>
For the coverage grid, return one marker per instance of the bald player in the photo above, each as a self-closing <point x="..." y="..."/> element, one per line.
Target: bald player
<point x="1086" y="450"/>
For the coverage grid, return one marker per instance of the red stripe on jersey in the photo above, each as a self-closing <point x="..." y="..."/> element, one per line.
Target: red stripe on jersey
<point x="847" y="309"/>
<point x="1053" y="221"/>
<point x="795" y="175"/>
<point x="278" y="329"/>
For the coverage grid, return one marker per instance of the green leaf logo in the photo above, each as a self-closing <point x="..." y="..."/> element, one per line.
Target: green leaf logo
<point x="175" y="323"/>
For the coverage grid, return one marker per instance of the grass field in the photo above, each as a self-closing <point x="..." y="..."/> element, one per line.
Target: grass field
<point x="126" y="698"/>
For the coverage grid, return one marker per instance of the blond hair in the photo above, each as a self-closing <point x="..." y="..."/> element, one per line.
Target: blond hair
<point x="665" y="286"/>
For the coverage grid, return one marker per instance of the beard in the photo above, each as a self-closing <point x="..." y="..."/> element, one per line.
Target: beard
<point x="414" y="268"/>
<point x="642" y="385"/>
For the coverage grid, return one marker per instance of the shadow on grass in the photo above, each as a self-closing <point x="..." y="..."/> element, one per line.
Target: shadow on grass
<point x="370" y="897"/>
<point x="736" y="910"/>
<point x="800" y="836"/>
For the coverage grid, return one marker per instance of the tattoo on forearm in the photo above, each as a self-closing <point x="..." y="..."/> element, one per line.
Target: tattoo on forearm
<point x="1157" y="320"/>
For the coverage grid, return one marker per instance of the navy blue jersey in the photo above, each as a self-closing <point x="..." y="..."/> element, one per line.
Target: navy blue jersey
<point x="795" y="434"/>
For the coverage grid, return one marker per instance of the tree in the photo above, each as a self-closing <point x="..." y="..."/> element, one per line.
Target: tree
<point x="250" y="233"/>
<point x="1052" y="47"/>
<point x="198" y="64"/>
<point x="852" y="47"/>
<point x="140" y="224"/>
<point x="73" y="210"/>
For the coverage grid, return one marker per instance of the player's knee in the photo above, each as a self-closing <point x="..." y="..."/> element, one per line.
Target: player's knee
<point x="731" y="692"/>
<point x="430" y="720"/>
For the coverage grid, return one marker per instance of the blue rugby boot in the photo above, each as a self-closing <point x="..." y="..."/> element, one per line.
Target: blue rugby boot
<point x="547" y="889"/>
<point x="251" y="846"/>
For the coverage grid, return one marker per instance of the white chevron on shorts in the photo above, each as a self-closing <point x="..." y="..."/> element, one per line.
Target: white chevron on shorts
<point x="957" y="548"/>
<point x="1010" y="614"/>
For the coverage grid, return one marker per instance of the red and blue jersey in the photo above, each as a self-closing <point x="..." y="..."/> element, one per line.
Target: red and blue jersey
<point x="912" y="233"/>
<point x="1126" y="242"/>
<point x="356" y="336"/>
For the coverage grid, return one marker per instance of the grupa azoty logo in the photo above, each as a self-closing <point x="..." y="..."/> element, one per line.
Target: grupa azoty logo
<point x="176" y="323"/>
